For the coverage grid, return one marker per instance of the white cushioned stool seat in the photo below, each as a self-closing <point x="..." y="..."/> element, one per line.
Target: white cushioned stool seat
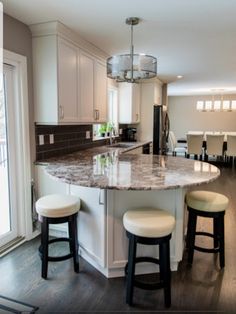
<point x="149" y="223"/>
<point x="57" y="205"/>
<point x="207" y="201"/>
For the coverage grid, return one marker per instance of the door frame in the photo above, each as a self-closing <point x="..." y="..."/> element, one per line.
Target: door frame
<point x="23" y="166"/>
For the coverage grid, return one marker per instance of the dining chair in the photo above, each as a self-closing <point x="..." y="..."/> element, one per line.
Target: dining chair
<point x="231" y="147"/>
<point x="194" y="145"/>
<point x="172" y="143"/>
<point x="214" y="145"/>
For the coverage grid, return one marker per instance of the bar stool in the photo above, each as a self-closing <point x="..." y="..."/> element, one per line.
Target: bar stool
<point x="206" y="204"/>
<point x="149" y="226"/>
<point x="55" y="209"/>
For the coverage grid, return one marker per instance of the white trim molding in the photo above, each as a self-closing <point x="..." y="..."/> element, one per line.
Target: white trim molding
<point x="23" y="178"/>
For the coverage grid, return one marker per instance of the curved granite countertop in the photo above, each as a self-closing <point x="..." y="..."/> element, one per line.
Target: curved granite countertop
<point x="109" y="168"/>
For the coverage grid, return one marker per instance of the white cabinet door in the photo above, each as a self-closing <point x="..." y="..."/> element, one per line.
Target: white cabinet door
<point x="45" y="79"/>
<point x="100" y="92"/>
<point x="129" y="103"/>
<point x="91" y="224"/>
<point x="86" y="87"/>
<point x="67" y="81"/>
<point x="55" y="80"/>
<point x="135" y="103"/>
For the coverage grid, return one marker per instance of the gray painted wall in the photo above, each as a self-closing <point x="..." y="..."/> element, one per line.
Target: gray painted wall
<point x="17" y="38"/>
<point x="184" y="117"/>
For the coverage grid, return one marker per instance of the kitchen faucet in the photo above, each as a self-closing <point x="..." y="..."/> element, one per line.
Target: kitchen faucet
<point x="112" y="129"/>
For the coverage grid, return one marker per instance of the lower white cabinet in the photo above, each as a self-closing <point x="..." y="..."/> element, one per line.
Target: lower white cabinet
<point x="92" y="225"/>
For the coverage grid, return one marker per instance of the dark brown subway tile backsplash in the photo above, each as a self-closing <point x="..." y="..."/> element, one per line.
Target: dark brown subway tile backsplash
<point x="67" y="139"/>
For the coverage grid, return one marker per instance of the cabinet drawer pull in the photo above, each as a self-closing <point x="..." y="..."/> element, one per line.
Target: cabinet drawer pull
<point x="137" y="115"/>
<point x="98" y="115"/>
<point x="95" y="114"/>
<point x="101" y="197"/>
<point x="61" y="112"/>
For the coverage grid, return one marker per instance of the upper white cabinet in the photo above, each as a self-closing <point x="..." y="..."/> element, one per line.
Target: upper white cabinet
<point x="70" y="82"/>
<point x="68" y="58"/>
<point x="129" y="103"/>
<point x="93" y="90"/>
<point x="86" y="88"/>
<point x="100" y="96"/>
<point x="55" y="80"/>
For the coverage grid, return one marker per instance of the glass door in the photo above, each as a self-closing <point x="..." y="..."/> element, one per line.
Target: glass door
<point x="8" y="212"/>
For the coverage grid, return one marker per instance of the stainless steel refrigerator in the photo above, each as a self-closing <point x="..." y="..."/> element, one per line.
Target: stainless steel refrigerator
<point x="161" y="127"/>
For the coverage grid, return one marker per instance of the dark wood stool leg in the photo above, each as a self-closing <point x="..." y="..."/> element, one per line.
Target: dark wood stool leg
<point x="221" y="240"/>
<point x="73" y="234"/>
<point x="165" y="273"/>
<point x="191" y="233"/>
<point x="44" y="246"/>
<point x="131" y="269"/>
<point x="216" y="233"/>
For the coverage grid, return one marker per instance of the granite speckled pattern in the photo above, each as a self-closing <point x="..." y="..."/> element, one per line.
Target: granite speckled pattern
<point x="107" y="168"/>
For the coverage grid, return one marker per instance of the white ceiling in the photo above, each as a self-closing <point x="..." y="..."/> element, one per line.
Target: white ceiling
<point x="193" y="38"/>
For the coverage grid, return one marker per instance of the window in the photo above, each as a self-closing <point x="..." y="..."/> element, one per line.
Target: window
<point x="103" y="130"/>
<point x="15" y="153"/>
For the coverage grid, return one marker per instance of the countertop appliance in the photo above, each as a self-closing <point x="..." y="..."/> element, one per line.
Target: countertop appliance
<point x="161" y="127"/>
<point x="129" y="135"/>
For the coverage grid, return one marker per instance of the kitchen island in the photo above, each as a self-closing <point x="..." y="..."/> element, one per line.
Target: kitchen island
<point x="111" y="181"/>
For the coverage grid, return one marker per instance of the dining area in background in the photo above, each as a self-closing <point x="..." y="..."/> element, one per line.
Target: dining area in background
<point x="207" y="146"/>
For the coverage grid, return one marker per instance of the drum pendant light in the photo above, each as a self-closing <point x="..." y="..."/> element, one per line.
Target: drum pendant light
<point x="131" y="67"/>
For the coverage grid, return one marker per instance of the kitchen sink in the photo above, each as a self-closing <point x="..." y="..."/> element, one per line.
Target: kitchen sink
<point x="122" y="145"/>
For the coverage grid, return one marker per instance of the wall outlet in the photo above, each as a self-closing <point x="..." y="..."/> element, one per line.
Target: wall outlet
<point x="87" y="134"/>
<point x="41" y="139"/>
<point x="51" y="138"/>
<point x="120" y="131"/>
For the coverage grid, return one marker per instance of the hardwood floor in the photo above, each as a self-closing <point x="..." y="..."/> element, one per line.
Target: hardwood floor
<point x="203" y="287"/>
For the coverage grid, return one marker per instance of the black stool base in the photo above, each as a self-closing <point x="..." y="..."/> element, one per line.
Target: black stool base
<point x="73" y="242"/>
<point x="218" y="234"/>
<point x="163" y="262"/>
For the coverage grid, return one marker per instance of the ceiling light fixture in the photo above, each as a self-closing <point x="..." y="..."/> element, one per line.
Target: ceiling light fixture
<point x="131" y="67"/>
<point x="219" y="104"/>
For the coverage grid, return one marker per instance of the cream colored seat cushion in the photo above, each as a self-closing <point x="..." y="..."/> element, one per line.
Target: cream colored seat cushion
<point x="57" y="205"/>
<point x="207" y="201"/>
<point x="149" y="223"/>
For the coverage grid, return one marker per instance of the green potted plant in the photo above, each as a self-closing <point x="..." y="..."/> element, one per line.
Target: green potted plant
<point x="103" y="129"/>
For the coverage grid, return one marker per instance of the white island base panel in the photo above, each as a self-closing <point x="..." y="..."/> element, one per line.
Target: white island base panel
<point x="102" y="237"/>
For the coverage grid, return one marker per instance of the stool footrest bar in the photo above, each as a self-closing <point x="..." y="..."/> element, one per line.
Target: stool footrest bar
<point x="206" y="250"/>
<point x="148" y="286"/>
<point x="59" y="258"/>
<point x="207" y="234"/>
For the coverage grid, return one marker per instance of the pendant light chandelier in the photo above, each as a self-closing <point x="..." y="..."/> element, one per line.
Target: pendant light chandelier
<point x="131" y="67"/>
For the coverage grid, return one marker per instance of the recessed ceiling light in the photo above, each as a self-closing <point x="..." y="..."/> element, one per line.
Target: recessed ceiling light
<point x="179" y="76"/>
